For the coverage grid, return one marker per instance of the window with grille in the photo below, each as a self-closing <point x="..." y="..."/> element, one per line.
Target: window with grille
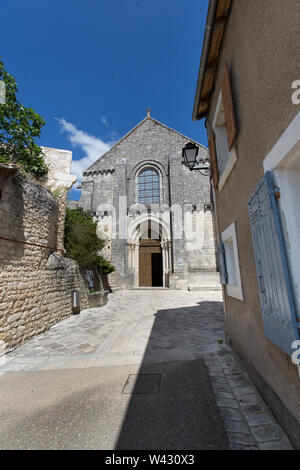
<point x="148" y="187"/>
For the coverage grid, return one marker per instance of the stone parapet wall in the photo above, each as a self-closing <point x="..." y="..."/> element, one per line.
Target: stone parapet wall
<point x="35" y="280"/>
<point x="33" y="298"/>
<point x="97" y="299"/>
<point x="59" y="180"/>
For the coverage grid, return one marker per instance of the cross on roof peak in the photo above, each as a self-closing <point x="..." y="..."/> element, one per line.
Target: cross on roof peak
<point x="148" y="111"/>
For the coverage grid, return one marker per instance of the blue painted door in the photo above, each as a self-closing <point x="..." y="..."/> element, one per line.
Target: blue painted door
<point x="278" y="310"/>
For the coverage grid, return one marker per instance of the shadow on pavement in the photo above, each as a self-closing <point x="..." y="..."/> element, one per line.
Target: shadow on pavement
<point x="172" y="404"/>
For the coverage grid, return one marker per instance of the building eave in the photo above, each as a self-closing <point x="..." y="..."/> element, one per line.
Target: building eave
<point x="218" y="12"/>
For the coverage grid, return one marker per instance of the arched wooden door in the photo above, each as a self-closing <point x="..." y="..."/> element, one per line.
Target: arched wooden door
<point x="150" y="263"/>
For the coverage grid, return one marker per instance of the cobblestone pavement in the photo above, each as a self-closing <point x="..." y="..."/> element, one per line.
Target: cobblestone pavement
<point x="156" y="326"/>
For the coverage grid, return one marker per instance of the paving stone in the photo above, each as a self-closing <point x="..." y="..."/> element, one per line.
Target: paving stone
<point x="252" y="410"/>
<point x="11" y="367"/>
<point x="32" y="367"/>
<point x="241" y="391"/>
<point x="29" y="360"/>
<point x="215" y="369"/>
<point x="221" y="388"/>
<point x="266" y="432"/>
<point x="237" y="426"/>
<point x="238" y="381"/>
<point x="231" y="371"/>
<point x="257" y="419"/>
<point x="232" y="414"/>
<point x="237" y="438"/>
<point x="275" y="445"/>
<point x="251" y="399"/>
<point x="5" y="360"/>
<point x="228" y="395"/>
<point x="224" y="353"/>
<point x="219" y="382"/>
<point x="232" y="365"/>
<point x="219" y="375"/>
<point x="241" y="447"/>
<point x="214" y="366"/>
<point x="209" y="361"/>
<point x="226" y="403"/>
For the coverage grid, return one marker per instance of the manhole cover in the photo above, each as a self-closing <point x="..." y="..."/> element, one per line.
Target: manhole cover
<point x="142" y="384"/>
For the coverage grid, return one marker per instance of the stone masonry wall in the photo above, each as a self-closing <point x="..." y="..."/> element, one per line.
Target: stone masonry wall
<point x="59" y="180"/>
<point x="114" y="175"/>
<point x="35" y="280"/>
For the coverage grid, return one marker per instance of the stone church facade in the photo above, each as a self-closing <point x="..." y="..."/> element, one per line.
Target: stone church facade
<point x="155" y="213"/>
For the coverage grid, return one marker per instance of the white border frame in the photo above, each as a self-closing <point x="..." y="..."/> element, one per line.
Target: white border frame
<point x="286" y="148"/>
<point x="236" y="290"/>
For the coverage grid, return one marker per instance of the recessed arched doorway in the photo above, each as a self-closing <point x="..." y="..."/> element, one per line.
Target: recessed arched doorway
<point x="149" y="252"/>
<point x="150" y="263"/>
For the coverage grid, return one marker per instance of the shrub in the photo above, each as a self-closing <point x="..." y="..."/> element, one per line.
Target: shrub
<point x="82" y="243"/>
<point x="104" y="266"/>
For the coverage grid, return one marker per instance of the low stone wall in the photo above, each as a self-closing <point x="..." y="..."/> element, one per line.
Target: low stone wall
<point x="40" y="300"/>
<point x="35" y="280"/>
<point x="97" y="299"/>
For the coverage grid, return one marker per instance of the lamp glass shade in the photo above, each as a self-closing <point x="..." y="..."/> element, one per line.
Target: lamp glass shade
<point x="189" y="154"/>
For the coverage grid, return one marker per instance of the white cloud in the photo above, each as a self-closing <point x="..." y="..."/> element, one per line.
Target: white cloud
<point x="92" y="146"/>
<point x="104" y="121"/>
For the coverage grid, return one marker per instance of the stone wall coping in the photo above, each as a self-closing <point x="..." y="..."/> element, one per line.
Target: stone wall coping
<point x="96" y="172"/>
<point x="9" y="169"/>
<point x="56" y="149"/>
<point x="99" y="292"/>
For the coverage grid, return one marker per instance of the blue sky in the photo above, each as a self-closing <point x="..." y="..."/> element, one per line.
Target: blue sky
<point x="92" y="68"/>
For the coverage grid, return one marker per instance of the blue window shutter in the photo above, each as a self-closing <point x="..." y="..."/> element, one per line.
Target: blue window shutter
<point x="222" y="264"/>
<point x="278" y="310"/>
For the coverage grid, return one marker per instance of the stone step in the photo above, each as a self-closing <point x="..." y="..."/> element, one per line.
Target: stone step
<point x="115" y="287"/>
<point x="213" y="287"/>
<point x="150" y="288"/>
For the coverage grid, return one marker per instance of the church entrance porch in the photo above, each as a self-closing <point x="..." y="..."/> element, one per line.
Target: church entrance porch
<point x="150" y="263"/>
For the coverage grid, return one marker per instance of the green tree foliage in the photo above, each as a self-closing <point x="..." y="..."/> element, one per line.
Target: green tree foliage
<point x="82" y="243"/>
<point x="19" y="126"/>
<point x="104" y="266"/>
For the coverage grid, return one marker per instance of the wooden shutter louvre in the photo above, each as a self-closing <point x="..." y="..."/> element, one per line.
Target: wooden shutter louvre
<point x="213" y="160"/>
<point x="228" y="108"/>
<point x="276" y="298"/>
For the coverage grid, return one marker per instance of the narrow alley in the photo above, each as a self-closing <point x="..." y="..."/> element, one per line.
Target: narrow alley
<point x="149" y="370"/>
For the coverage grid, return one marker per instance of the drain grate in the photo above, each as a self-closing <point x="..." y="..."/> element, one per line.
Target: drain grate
<point x="142" y="384"/>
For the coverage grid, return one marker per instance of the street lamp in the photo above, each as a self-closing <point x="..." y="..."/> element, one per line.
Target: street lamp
<point x="189" y="155"/>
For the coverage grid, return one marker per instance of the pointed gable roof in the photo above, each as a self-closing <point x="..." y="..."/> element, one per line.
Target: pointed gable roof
<point x="107" y="160"/>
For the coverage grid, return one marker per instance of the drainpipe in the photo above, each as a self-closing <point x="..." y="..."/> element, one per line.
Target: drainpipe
<point x="213" y="4"/>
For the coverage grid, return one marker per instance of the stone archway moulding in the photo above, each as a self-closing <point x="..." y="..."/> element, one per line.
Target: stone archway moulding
<point x="162" y="230"/>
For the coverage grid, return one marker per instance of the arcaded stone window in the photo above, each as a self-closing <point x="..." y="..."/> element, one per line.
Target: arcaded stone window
<point x="148" y="187"/>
